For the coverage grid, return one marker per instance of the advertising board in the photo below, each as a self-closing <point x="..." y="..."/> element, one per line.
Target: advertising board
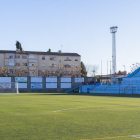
<point x="79" y="79"/>
<point x="36" y="85"/>
<point x="21" y="85"/>
<point x="65" y="85"/>
<point x="51" y="85"/>
<point x="21" y="79"/>
<point x="5" y="85"/>
<point x="36" y="79"/>
<point x="51" y="79"/>
<point x="5" y="79"/>
<point x="66" y="79"/>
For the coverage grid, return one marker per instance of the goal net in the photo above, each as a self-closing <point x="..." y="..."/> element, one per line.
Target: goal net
<point x="9" y="88"/>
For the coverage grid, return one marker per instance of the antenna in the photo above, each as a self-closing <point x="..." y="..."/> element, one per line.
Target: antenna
<point x="61" y="48"/>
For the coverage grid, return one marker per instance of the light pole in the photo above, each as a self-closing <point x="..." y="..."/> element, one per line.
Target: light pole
<point x="113" y="30"/>
<point x="110" y="72"/>
<point x="138" y="64"/>
<point x="130" y="68"/>
<point x="94" y="75"/>
<point x="101" y="71"/>
<point x="107" y="71"/>
<point x="61" y="48"/>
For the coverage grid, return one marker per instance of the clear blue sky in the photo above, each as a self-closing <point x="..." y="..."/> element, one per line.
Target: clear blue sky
<point x="81" y="26"/>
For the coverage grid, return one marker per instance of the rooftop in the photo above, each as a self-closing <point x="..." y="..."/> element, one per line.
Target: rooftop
<point x="40" y="53"/>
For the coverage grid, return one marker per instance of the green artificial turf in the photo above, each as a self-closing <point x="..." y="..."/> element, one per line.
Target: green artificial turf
<point x="51" y="116"/>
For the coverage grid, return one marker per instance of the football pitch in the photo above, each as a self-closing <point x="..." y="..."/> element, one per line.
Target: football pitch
<point x="61" y="116"/>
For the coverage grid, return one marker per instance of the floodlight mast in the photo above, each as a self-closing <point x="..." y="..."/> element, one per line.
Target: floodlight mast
<point x="113" y="30"/>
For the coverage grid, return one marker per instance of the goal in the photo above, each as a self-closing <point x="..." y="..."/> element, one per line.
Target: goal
<point x="9" y="88"/>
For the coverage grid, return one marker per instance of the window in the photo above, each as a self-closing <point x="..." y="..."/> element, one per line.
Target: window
<point x="11" y="63"/>
<point x="52" y="58"/>
<point x="31" y="56"/>
<point x="11" y="56"/>
<point x="43" y="65"/>
<point x="43" y="57"/>
<point x="52" y="65"/>
<point x="76" y="59"/>
<point x="31" y="64"/>
<point x="59" y="61"/>
<point x="67" y="58"/>
<point x="17" y="56"/>
<point x="17" y="63"/>
<point x="24" y="57"/>
<point x="68" y="65"/>
<point x="76" y="65"/>
<point x="24" y="64"/>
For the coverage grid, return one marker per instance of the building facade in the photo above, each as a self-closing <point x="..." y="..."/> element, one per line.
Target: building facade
<point x="31" y="63"/>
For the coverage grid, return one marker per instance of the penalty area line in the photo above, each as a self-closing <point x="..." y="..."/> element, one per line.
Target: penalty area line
<point x="106" y="138"/>
<point x="9" y="94"/>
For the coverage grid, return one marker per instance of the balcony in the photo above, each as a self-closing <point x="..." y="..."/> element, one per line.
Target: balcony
<point x="9" y="60"/>
<point x="33" y="60"/>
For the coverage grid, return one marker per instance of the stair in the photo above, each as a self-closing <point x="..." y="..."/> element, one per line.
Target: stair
<point x="107" y="87"/>
<point x="92" y="88"/>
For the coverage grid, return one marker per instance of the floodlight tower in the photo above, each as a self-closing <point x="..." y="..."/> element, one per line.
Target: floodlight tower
<point x="113" y="30"/>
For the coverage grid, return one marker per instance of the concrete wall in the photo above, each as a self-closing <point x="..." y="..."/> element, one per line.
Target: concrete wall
<point x="42" y="84"/>
<point x="2" y="60"/>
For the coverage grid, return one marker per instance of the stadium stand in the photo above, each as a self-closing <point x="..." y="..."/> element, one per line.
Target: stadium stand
<point x="129" y="85"/>
<point x="134" y="74"/>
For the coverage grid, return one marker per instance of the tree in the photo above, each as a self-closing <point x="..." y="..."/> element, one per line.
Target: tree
<point x="92" y="70"/>
<point x="134" y="66"/>
<point x="49" y="50"/>
<point x="83" y="70"/>
<point x="122" y="72"/>
<point x="18" y="45"/>
<point x="17" y="71"/>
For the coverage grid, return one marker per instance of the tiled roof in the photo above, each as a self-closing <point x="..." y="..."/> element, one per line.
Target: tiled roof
<point x="40" y="53"/>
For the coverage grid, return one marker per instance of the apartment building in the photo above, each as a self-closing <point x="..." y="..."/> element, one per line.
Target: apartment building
<point x="34" y="63"/>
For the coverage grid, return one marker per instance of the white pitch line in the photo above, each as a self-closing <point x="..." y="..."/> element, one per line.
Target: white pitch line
<point x="68" y="109"/>
<point x="136" y="136"/>
<point x="96" y="108"/>
<point x="74" y="108"/>
<point x="113" y="137"/>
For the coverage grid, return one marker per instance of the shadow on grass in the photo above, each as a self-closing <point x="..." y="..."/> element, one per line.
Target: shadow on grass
<point x="91" y="94"/>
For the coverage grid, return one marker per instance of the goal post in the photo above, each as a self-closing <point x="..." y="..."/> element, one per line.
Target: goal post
<point x="9" y="88"/>
<point x="17" y="87"/>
